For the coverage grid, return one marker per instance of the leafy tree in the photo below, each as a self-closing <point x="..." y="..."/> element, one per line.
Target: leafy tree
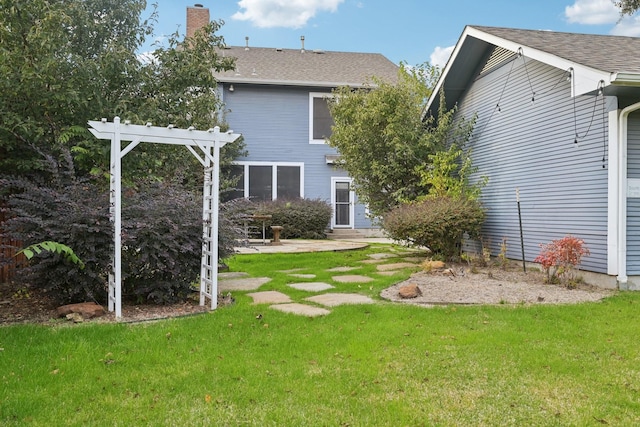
<point x="65" y="62"/>
<point x="383" y="140"/>
<point x="628" y="7"/>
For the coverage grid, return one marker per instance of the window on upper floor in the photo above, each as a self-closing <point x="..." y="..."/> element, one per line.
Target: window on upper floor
<point x="320" y="120"/>
<point x="267" y="181"/>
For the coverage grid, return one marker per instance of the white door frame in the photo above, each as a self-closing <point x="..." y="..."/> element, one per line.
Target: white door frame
<point x="352" y="197"/>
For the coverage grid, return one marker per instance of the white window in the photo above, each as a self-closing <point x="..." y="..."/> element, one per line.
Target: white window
<point x="320" y="120"/>
<point x="267" y="180"/>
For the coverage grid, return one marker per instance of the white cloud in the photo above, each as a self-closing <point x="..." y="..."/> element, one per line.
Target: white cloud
<point x="440" y="56"/>
<point x="592" y="12"/>
<point x="629" y="26"/>
<point x="282" y="13"/>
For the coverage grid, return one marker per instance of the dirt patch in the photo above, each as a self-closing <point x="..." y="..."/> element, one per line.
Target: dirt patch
<point x="460" y="284"/>
<point x="27" y="304"/>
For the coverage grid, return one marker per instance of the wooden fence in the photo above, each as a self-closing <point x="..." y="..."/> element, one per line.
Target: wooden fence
<point x="8" y="258"/>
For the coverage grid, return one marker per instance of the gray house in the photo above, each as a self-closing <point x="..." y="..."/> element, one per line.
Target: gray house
<point x="557" y="117"/>
<point x="277" y="99"/>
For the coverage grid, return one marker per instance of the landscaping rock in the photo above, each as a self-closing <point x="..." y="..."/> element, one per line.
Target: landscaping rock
<point x="409" y="291"/>
<point x="87" y="310"/>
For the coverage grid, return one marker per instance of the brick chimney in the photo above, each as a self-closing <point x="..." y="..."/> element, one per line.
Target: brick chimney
<point x="197" y="17"/>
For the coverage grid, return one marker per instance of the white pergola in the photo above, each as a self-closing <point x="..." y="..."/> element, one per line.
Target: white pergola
<point x="209" y="142"/>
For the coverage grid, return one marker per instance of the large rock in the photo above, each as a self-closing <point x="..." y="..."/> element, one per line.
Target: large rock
<point x="87" y="310"/>
<point x="409" y="291"/>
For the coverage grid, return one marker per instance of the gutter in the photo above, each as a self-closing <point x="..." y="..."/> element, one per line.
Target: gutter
<point x="623" y="119"/>
<point x="625" y="79"/>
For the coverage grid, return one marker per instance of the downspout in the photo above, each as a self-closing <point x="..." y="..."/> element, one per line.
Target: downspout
<point x="622" y="193"/>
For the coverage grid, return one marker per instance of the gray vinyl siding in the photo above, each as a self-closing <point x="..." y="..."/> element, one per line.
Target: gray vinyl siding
<point x="274" y="122"/>
<point x="530" y="146"/>
<point x="633" y="204"/>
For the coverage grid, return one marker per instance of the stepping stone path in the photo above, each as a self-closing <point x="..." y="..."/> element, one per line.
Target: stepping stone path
<point x="304" y="276"/>
<point x="269" y="297"/>
<point x="238" y="281"/>
<point x="301" y="309"/>
<point x="382" y="255"/>
<point x="311" y="286"/>
<point x="332" y="300"/>
<point x="242" y="284"/>
<point x="341" y="269"/>
<point x="396" y="266"/>
<point x="352" y="278"/>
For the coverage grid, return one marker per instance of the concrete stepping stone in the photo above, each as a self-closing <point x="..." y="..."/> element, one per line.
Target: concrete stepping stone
<point x="304" y="276"/>
<point x="372" y="261"/>
<point x="332" y="300"/>
<point x="396" y="266"/>
<point x="301" y="309"/>
<point x="382" y="255"/>
<point x="387" y="273"/>
<point x="293" y="270"/>
<point x="242" y="284"/>
<point x="269" y="297"/>
<point x="352" y="278"/>
<point x="342" y="269"/>
<point x="415" y="259"/>
<point x="311" y="286"/>
<point x="232" y="275"/>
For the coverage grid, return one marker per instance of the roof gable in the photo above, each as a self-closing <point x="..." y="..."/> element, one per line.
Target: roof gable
<point x="298" y="67"/>
<point x="591" y="59"/>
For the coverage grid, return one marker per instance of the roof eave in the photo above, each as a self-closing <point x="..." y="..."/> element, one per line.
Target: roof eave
<point x="585" y="79"/>
<point x="625" y="79"/>
<point x="304" y="83"/>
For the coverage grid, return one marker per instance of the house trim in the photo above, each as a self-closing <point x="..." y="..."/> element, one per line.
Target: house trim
<point x="312" y="96"/>
<point x="274" y="175"/>
<point x="622" y="191"/>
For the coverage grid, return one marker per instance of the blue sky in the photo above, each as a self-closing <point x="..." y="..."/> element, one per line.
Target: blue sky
<point x="413" y="31"/>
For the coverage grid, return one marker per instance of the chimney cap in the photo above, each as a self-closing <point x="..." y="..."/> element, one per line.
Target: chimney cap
<point x="198" y="5"/>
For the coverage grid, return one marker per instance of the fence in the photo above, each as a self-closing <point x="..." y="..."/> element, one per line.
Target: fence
<point x="8" y="258"/>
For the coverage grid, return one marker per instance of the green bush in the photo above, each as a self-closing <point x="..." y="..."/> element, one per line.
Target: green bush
<point x="437" y="223"/>
<point x="301" y="218"/>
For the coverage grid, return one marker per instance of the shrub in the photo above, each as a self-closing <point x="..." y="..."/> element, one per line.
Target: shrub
<point x="437" y="223"/>
<point x="301" y="218"/>
<point x="161" y="244"/>
<point x="560" y="259"/>
<point x="73" y="212"/>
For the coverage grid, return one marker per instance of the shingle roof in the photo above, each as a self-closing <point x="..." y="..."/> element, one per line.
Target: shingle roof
<point x="605" y="53"/>
<point x="311" y="68"/>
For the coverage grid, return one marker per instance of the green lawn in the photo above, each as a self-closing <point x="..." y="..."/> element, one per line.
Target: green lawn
<point x="384" y="364"/>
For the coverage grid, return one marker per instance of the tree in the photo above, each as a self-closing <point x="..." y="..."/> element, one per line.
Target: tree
<point x="65" y="62"/>
<point x="628" y="7"/>
<point x="383" y="141"/>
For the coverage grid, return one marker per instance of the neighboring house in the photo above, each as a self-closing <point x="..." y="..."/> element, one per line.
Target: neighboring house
<point x="557" y="117"/>
<point x="277" y="99"/>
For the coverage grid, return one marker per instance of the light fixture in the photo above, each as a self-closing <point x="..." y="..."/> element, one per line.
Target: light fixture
<point x="231" y="88"/>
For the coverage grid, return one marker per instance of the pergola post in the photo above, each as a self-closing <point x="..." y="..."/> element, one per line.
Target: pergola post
<point x="206" y="141"/>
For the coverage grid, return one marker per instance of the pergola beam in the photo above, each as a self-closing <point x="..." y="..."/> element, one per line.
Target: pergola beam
<point x="207" y="141"/>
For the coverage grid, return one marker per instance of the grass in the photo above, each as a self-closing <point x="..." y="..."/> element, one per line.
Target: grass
<point x="382" y="364"/>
